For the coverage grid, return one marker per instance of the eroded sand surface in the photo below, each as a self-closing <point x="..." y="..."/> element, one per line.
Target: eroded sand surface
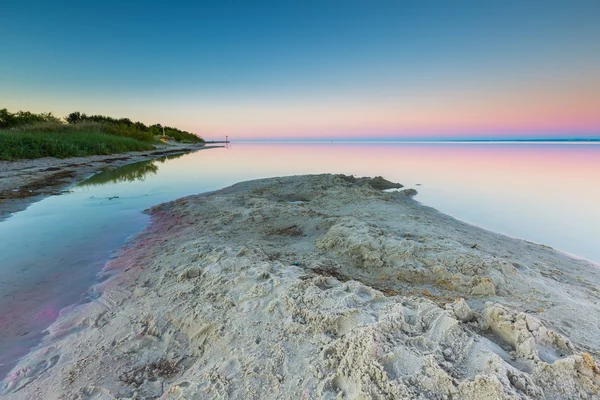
<point x="315" y="287"/>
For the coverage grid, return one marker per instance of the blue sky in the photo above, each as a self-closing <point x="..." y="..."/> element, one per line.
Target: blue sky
<point x="311" y="69"/>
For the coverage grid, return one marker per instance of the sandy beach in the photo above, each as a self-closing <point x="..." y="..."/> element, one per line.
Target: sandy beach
<point x="323" y="287"/>
<point x="26" y="181"/>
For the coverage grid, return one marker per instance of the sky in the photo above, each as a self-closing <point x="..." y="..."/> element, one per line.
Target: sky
<point x="284" y="69"/>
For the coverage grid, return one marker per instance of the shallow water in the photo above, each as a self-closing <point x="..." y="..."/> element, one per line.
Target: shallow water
<point x="51" y="253"/>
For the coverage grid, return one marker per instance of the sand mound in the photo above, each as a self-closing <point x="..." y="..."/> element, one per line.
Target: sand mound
<point x="322" y="287"/>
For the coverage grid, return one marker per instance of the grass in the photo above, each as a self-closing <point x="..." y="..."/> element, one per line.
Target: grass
<point x="62" y="141"/>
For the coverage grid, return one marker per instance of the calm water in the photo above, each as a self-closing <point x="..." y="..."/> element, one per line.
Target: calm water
<point x="51" y="253"/>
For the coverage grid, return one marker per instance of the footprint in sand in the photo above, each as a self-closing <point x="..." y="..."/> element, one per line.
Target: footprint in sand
<point x="23" y="377"/>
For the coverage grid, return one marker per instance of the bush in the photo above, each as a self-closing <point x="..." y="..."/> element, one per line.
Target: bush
<point x="122" y="129"/>
<point x="182" y="136"/>
<point x="11" y="120"/>
<point x="29" y="135"/>
<point x="125" y="127"/>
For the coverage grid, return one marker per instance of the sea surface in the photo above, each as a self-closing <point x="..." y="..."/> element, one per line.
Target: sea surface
<point x="52" y="252"/>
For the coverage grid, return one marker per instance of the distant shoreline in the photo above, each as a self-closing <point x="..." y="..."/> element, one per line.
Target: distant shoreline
<point x="384" y="141"/>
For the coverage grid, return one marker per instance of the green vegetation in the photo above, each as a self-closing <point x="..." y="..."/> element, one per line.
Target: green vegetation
<point x="11" y="120"/>
<point x="28" y="135"/>
<point x="18" y="144"/>
<point x="125" y="127"/>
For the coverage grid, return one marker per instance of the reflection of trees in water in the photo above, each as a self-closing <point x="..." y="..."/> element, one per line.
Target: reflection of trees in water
<point x="126" y="173"/>
<point x="169" y="157"/>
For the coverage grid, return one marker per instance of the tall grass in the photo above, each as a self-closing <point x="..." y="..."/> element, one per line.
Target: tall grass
<point x="60" y="140"/>
<point x="58" y="127"/>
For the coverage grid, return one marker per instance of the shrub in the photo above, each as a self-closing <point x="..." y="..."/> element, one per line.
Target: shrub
<point x="123" y="129"/>
<point x="11" y="120"/>
<point x="28" y="135"/>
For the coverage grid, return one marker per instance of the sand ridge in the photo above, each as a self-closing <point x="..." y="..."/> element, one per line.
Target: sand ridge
<point x="323" y="287"/>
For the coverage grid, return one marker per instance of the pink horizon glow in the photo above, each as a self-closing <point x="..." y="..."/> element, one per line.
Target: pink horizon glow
<point x="565" y="109"/>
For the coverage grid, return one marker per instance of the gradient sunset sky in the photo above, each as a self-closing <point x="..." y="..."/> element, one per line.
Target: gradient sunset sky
<point x="311" y="69"/>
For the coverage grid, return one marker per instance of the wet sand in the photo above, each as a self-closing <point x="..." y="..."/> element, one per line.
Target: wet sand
<point x="327" y="287"/>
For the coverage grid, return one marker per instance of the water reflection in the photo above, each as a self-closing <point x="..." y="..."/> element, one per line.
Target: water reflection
<point x="127" y="173"/>
<point x="169" y="157"/>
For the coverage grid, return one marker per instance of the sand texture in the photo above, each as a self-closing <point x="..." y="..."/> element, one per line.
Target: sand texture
<point x="323" y="287"/>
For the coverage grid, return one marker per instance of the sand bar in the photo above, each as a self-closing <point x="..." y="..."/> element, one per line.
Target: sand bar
<point x="323" y="287"/>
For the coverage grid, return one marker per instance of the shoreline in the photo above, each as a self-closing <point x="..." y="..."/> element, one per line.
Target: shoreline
<point x="320" y="286"/>
<point x="25" y="182"/>
<point x="483" y="227"/>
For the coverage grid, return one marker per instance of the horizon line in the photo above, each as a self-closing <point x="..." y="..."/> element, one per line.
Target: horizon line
<point x="432" y="140"/>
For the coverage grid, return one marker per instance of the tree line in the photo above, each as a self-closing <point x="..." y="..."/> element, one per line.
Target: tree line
<point x="115" y="126"/>
<point x="11" y="120"/>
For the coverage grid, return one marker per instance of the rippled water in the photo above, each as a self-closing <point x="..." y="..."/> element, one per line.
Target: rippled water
<point x="51" y="253"/>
